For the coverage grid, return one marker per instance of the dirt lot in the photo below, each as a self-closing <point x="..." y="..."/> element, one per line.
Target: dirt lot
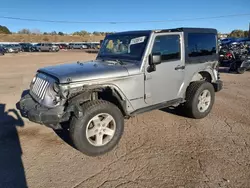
<point x="158" y="149"/>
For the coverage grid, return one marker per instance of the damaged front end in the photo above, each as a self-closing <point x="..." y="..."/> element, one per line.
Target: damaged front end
<point x="46" y="102"/>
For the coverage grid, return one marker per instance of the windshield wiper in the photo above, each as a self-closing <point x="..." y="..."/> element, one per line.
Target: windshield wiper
<point x="119" y="61"/>
<point x="114" y="60"/>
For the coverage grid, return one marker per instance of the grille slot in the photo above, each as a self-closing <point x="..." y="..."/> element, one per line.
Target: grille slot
<point x="39" y="88"/>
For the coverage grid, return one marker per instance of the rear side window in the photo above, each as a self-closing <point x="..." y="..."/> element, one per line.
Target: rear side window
<point x="201" y="44"/>
<point x="168" y="46"/>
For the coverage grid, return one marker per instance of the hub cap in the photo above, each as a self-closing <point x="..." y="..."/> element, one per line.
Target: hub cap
<point x="204" y="101"/>
<point x="100" y="129"/>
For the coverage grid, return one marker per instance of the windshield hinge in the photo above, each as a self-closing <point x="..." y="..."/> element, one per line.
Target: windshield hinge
<point x="147" y="76"/>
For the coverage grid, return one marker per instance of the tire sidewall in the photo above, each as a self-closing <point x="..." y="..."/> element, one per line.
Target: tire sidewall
<point x="241" y="70"/>
<point x="80" y="125"/>
<point x="205" y="86"/>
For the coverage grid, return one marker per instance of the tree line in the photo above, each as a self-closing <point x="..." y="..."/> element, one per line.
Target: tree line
<point x="4" y="30"/>
<point x="239" y="33"/>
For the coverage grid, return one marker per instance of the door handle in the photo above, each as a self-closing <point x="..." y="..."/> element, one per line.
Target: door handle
<point x="179" y="67"/>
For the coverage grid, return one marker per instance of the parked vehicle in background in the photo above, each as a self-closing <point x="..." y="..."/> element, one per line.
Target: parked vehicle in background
<point x="227" y="40"/>
<point x="18" y="47"/>
<point x="10" y="48"/>
<point x="62" y="46"/>
<point x="27" y="47"/>
<point x="70" y="45"/>
<point x="78" y="46"/>
<point x="49" y="47"/>
<point x="235" y="56"/>
<point x="38" y="46"/>
<point x="134" y="72"/>
<point x="93" y="46"/>
<point x="2" y="50"/>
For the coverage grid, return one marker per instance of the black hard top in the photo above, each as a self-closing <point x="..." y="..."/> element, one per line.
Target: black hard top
<point x="182" y="29"/>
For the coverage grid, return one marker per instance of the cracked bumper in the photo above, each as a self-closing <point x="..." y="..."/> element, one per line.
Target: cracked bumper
<point x="33" y="111"/>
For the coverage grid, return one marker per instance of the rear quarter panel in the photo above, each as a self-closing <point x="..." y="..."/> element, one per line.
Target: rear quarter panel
<point x="192" y="69"/>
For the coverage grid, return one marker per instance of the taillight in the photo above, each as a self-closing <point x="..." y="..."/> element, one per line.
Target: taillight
<point x="229" y="55"/>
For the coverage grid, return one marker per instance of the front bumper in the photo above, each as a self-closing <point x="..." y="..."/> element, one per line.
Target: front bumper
<point x="218" y="85"/>
<point x="33" y="111"/>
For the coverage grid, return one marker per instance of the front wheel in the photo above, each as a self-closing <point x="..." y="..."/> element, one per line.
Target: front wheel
<point x="199" y="99"/>
<point x="99" y="129"/>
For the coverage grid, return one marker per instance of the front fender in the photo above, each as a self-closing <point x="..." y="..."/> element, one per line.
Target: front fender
<point x="84" y="93"/>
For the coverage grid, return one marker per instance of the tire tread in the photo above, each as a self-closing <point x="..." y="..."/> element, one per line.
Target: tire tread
<point x="87" y="108"/>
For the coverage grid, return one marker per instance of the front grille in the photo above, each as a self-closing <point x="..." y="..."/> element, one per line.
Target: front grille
<point x="39" y="87"/>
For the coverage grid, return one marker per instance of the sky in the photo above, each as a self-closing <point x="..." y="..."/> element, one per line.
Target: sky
<point x="124" y="11"/>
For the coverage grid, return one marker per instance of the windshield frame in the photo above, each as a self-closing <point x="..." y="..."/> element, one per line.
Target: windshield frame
<point x="124" y="57"/>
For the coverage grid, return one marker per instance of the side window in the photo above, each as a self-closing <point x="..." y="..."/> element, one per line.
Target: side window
<point x="168" y="46"/>
<point x="201" y="44"/>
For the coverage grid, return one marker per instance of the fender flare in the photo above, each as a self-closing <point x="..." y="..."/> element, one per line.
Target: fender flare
<point x="85" y="95"/>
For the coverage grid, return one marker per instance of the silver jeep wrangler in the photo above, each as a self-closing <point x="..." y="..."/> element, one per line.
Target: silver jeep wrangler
<point x="134" y="72"/>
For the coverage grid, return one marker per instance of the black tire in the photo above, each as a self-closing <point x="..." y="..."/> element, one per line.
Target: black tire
<point x="241" y="70"/>
<point x="194" y="90"/>
<point x="78" y="127"/>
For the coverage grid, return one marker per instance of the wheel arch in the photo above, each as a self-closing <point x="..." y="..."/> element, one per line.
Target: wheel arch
<point x="206" y="75"/>
<point x="105" y="92"/>
<point x="202" y="75"/>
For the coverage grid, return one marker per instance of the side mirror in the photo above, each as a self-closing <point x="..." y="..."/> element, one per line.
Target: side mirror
<point x="155" y="59"/>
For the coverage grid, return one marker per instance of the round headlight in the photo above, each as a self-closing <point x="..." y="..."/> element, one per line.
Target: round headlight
<point x="56" y="87"/>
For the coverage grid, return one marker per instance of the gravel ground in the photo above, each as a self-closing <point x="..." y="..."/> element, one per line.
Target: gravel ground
<point x="158" y="148"/>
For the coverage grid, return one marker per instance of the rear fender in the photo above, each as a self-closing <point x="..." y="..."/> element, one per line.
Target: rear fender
<point x="245" y="64"/>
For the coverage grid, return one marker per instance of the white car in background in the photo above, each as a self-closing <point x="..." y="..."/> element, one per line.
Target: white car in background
<point x="78" y="46"/>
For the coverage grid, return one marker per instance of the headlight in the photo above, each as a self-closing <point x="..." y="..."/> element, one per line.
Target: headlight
<point x="56" y="87"/>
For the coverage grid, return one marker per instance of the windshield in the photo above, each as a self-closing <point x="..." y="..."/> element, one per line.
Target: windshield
<point x="124" y="46"/>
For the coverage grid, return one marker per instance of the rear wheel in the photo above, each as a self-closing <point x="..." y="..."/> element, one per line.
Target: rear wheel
<point x="99" y="129"/>
<point x="199" y="99"/>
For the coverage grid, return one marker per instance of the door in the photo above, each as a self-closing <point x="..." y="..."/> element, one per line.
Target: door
<point x="44" y="47"/>
<point x="165" y="82"/>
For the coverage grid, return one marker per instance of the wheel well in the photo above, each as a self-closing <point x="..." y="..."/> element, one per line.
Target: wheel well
<point x="206" y="76"/>
<point x="111" y="95"/>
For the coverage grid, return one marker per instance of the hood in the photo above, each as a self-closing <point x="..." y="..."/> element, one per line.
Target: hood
<point x="75" y="72"/>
